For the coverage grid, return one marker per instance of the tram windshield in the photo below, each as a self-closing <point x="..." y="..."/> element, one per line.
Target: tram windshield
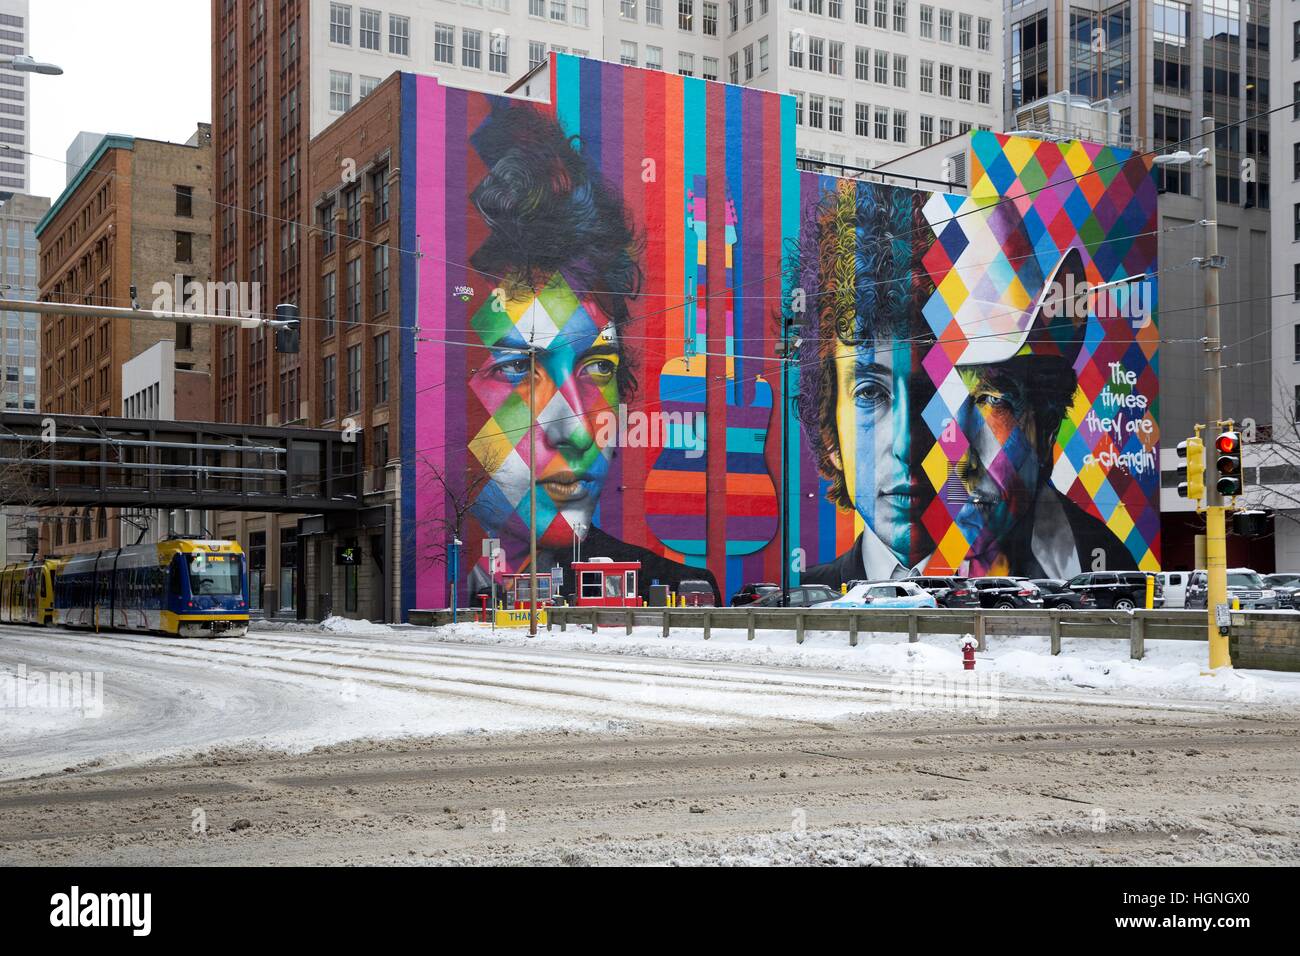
<point x="214" y="575"/>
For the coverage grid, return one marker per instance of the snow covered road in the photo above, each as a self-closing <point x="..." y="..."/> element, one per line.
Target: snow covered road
<point x="305" y="746"/>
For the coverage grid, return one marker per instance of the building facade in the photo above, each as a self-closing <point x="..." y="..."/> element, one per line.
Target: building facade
<point x="15" y="99"/>
<point x="133" y="217"/>
<point x="658" y="419"/>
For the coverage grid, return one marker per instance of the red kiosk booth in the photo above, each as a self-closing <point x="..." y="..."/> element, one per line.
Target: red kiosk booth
<point x="602" y="582"/>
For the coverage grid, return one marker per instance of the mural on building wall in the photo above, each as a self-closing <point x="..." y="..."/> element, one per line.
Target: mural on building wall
<point x="959" y="406"/>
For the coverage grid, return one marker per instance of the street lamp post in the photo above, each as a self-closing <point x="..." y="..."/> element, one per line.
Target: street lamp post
<point x="455" y="574"/>
<point x="22" y="63"/>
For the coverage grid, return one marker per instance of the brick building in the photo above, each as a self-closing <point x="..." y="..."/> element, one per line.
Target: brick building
<point x="134" y="215"/>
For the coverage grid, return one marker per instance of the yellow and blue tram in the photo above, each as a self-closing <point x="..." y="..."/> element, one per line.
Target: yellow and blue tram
<point x="27" y="593"/>
<point x="180" y="586"/>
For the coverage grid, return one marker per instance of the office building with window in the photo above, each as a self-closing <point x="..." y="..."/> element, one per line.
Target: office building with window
<point x="15" y="99"/>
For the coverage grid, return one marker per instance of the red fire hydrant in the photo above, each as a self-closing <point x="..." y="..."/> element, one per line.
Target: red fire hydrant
<point x="968" y="645"/>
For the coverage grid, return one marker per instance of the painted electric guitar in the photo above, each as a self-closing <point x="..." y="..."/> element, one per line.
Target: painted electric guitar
<point x="676" y="486"/>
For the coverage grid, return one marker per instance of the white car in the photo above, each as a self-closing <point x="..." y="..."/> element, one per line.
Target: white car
<point x="883" y="594"/>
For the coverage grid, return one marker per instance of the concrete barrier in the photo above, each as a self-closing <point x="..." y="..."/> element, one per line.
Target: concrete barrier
<point x="1265" y="640"/>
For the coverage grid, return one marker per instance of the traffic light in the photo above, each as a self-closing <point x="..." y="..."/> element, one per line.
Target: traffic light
<point x="1228" y="464"/>
<point x="1191" y="469"/>
<point x="287" y="329"/>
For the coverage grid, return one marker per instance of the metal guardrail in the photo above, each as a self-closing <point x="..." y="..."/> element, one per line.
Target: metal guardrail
<point x="1137" y="626"/>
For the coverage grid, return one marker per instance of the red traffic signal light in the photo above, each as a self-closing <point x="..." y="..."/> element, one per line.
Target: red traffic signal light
<point x="1228" y="464"/>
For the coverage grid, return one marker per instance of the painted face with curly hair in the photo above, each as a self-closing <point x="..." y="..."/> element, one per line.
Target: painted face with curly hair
<point x="862" y="385"/>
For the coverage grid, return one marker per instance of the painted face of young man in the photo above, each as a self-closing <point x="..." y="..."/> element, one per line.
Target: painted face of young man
<point x="876" y="391"/>
<point x="1003" y="466"/>
<point x="576" y="382"/>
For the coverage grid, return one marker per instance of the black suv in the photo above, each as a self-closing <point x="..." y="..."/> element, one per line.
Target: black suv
<point x="948" y="592"/>
<point x="1116" y="590"/>
<point x="751" y="593"/>
<point x="1006" y="593"/>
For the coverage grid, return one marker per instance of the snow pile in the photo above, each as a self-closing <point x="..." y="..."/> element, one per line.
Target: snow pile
<point x="1170" y="670"/>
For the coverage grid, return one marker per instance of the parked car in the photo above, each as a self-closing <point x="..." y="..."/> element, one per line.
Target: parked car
<point x="1173" y="585"/>
<point x="949" y="592"/>
<point x="1006" y="593"/>
<point x="696" y="593"/>
<point x="884" y="594"/>
<point x="1243" y="584"/>
<point x="1116" y="590"/>
<point x="751" y="593"/>
<point x="1287" y="586"/>
<point x="805" y="595"/>
<point x="1057" y="593"/>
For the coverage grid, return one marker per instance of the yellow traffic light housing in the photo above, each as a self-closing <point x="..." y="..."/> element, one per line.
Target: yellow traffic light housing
<point x="1191" y="468"/>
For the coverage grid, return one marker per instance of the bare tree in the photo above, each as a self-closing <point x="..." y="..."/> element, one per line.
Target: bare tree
<point x="1275" y="483"/>
<point x="459" y="493"/>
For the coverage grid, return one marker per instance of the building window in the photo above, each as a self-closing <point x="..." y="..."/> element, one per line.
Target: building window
<point x="733" y="67"/>
<point x="627" y="53"/>
<point x="861" y="119"/>
<point x="537" y="8"/>
<point x="835" y="115"/>
<point x="367" y="85"/>
<point x="882" y="67"/>
<point x="835" y="60"/>
<point x="352" y="292"/>
<point x="963" y="29"/>
<point x="399" y="35"/>
<point x="927" y="130"/>
<point x="444" y="43"/>
<point x="654" y="12"/>
<point x="627" y="9"/>
<point x="1296" y="353"/>
<point x="861" y="63"/>
<point x="900" y="16"/>
<point x="710" y="68"/>
<point x="329" y="298"/>
<point x="559" y="11"/>
<point x="1029" y="60"/>
<point x="654" y="57"/>
<point x="927" y="22"/>
<point x="353" y="388"/>
<point x="945" y="26"/>
<point x="796" y="49"/>
<point x="927" y="76"/>
<point x="881" y="18"/>
<point x="329" y="388"/>
<point x="471" y="49"/>
<point x="340" y="91"/>
<point x="379" y="193"/>
<point x="368" y="29"/>
<point x="184" y="247"/>
<point x="352" y="225"/>
<point x="381" y="368"/>
<point x="185" y="201"/>
<point x="880" y="123"/>
<point x="985" y="87"/>
<point x="945" y="80"/>
<point x="963" y="84"/>
<point x="815" y="110"/>
<point x="498" y="52"/>
<point x="749" y="62"/>
<point x="341" y="23"/>
<point x="798" y="107"/>
<point x="900" y="71"/>
<point x="380" y="454"/>
<point x="985" y="33"/>
<point x="816" y="49"/>
<point x="327" y="228"/>
<point x="686" y="15"/>
<point x="536" y="54"/>
<point x="379" y="277"/>
<point x="900" y="126"/>
<point x="710" y="19"/>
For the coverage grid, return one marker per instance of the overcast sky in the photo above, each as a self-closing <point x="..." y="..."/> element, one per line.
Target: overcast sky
<point x="140" y="67"/>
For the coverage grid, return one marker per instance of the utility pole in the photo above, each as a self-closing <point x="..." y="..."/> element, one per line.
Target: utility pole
<point x="1216" y="548"/>
<point x="784" y="348"/>
<point x="532" y="491"/>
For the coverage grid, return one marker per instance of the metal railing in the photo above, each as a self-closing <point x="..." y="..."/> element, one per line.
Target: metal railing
<point x="1137" y="627"/>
